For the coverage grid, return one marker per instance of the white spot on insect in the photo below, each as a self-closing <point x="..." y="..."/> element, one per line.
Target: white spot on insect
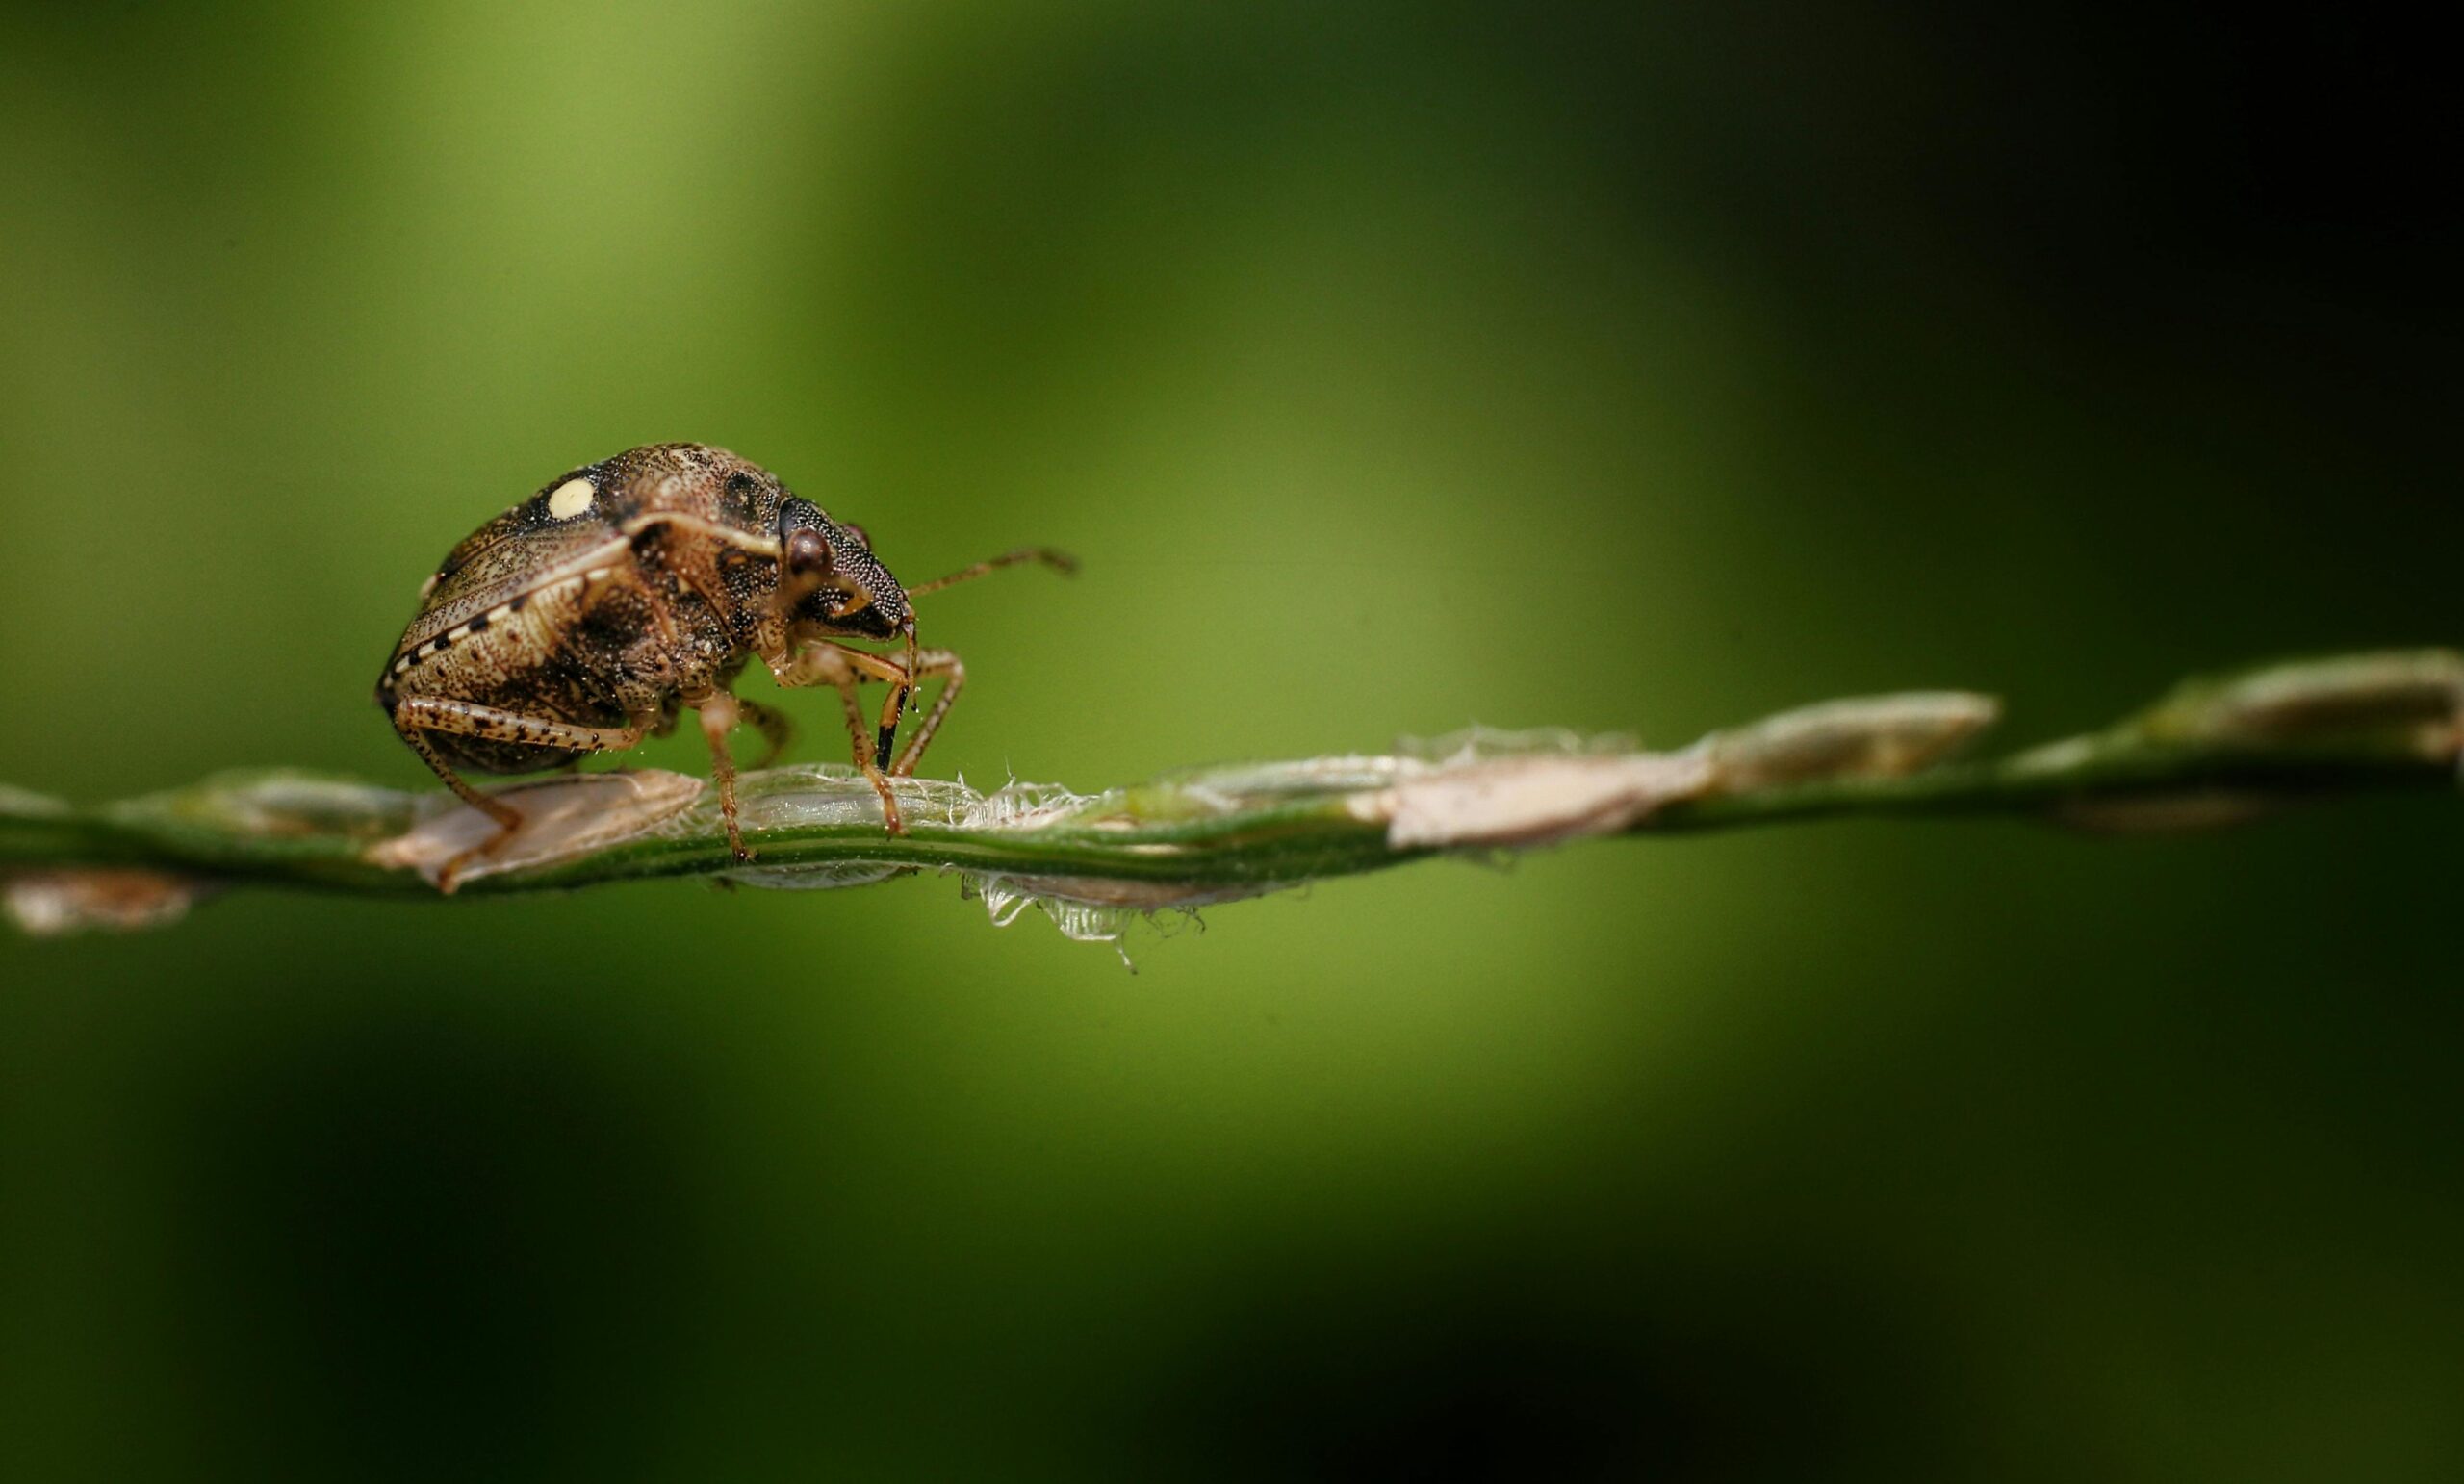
<point x="500" y="613"/>
<point x="596" y="573"/>
<point x="571" y="499"/>
<point x="457" y="636"/>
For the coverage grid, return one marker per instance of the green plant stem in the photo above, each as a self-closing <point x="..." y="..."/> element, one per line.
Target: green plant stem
<point x="2211" y="751"/>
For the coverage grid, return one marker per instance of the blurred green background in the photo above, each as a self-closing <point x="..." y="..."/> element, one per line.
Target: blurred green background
<point x="1391" y="367"/>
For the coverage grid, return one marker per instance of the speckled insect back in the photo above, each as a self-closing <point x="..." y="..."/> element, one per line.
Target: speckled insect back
<point x="585" y="617"/>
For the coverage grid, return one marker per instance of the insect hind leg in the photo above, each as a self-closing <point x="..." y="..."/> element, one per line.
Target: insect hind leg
<point x="506" y="816"/>
<point x="469" y="719"/>
<point x="416" y="716"/>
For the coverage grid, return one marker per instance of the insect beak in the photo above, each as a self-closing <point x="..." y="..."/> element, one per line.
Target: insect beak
<point x="913" y="703"/>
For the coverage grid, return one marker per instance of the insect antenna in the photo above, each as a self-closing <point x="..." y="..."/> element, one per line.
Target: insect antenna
<point x="1060" y="561"/>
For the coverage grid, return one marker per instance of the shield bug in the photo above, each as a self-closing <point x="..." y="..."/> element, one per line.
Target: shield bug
<point x="626" y="591"/>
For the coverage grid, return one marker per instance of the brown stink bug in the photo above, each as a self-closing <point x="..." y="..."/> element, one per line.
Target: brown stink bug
<point x="582" y="619"/>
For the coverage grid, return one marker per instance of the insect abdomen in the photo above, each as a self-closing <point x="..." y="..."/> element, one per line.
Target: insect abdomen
<point x="519" y="658"/>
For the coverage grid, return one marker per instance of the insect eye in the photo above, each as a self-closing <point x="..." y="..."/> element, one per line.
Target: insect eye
<point x="807" y="551"/>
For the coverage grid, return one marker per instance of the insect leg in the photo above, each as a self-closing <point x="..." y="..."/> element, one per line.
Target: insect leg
<point x="506" y="816"/>
<point x="824" y="660"/>
<point x="866" y="667"/>
<point x="719" y="715"/>
<point x="818" y="661"/>
<point x="778" y="729"/>
<point x="823" y="663"/>
<point x="414" y="716"/>
<point x="886" y="736"/>
<point x="945" y="664"/>
<point x="463" y="718"/>
<point x="904" y="684"/>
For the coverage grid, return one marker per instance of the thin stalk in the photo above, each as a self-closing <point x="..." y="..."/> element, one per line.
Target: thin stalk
<point x="2211" y="751"/>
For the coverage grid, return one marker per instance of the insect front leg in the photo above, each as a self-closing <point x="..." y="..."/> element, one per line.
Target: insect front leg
<point x="903" y="683"/>
<point x="823" y="663"/>
<point x="928" y="662"/>
<point x="415" y="716"/>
